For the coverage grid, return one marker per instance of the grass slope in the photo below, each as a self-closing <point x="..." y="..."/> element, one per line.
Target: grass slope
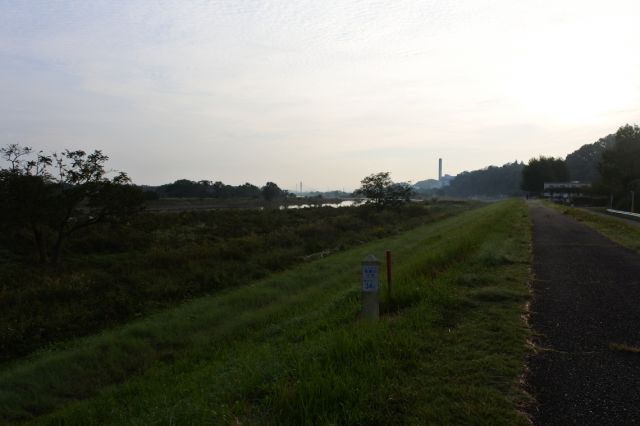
<point x="291" y="350"/>
<point x="114" y="274"/>
<point x="614" y="228"/>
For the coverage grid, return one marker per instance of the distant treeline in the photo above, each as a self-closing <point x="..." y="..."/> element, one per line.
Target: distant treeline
<point x="489" y="182"/>
<point x="582" y="164"/>
<point x="184" y="188"/>
<point x="611" y="165"/>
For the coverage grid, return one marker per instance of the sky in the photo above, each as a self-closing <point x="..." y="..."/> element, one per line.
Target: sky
<point x="323" y="92"/>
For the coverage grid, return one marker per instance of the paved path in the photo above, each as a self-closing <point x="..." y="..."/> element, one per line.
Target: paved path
<point x="586" y="296"/>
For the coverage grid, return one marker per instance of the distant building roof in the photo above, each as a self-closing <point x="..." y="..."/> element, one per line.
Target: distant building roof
<point x="559" y="185"/>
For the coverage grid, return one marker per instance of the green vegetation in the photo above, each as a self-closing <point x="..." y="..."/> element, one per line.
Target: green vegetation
<point x="618" y="230"/>
<point x="115" y="273"/>
<point x="621" y="347"/>
<point x="52" y="197"/>
<point x="582" y="164"/>
<point x="543" y="169"/>
<point x="206" y="189"/>
<point x="184" y="188"/>
<point x="611" y="167"/>
<point x="620" y="165"/>
<point x="489" y="182"/>
<point x="381" y="191"/>
<point x="290" y="349"/>
<point x="165" y="205"/>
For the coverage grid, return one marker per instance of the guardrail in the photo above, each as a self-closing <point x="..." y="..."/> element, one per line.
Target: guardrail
<point x="624" y="213"/>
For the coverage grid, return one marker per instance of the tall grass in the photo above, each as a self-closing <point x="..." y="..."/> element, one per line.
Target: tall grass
<point x="291" y="350"/>
<point x="113" y="274"/>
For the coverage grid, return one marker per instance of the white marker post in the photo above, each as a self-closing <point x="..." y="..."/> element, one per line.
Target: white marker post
<point x="370" y="287"/>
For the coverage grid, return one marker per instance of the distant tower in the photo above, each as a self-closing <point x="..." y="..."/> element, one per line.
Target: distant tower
<point x="439" y="169"/>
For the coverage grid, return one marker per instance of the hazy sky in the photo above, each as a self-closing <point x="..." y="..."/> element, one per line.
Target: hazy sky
<point x="323" y="91"/>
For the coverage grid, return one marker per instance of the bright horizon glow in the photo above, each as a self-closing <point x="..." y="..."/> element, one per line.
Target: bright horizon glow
<point x="320" y="92"/>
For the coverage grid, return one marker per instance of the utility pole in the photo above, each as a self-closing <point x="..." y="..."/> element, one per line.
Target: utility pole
<point x="633" y="196"/>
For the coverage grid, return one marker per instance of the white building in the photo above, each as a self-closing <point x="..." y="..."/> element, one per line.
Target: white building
<point x="565" y="191"/>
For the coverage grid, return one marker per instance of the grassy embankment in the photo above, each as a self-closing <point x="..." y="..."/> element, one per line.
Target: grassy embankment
<point x="113" y="274"/>
<point x="616" y="229"/>
<point x="290" y="349"/>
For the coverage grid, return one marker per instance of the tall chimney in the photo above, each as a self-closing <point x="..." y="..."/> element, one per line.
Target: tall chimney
<point x="439" y="169"/>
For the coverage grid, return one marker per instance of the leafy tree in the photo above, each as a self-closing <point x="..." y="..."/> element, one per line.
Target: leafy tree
<point x="381" y="191"/>
<point x="186" y="188"/>
<point x="247" y="190"/>
<point x="54" y="196"/>
<point x="620" y="164"/>
<point x="582" y="164"/>
<point x="220" y="190"/>
<point x="271" y="191"/>
<point x="543" y="169"/>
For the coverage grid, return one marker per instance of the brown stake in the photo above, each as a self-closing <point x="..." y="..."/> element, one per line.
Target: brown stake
<point x="389" y="277"/>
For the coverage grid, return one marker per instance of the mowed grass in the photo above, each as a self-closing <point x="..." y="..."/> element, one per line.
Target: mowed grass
<point x="614" y="228"/>
<point x="291" y="349"/>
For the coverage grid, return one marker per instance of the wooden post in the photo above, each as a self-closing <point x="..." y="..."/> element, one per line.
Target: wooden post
<point x="388" y="255"/>
<point x="370" y="287"/>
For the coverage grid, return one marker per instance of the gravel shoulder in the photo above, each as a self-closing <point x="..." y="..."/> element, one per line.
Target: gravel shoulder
<point x="586" y="297"/>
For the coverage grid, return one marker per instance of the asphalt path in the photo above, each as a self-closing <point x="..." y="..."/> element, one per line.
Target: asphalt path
<point x="586" y="297"/>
